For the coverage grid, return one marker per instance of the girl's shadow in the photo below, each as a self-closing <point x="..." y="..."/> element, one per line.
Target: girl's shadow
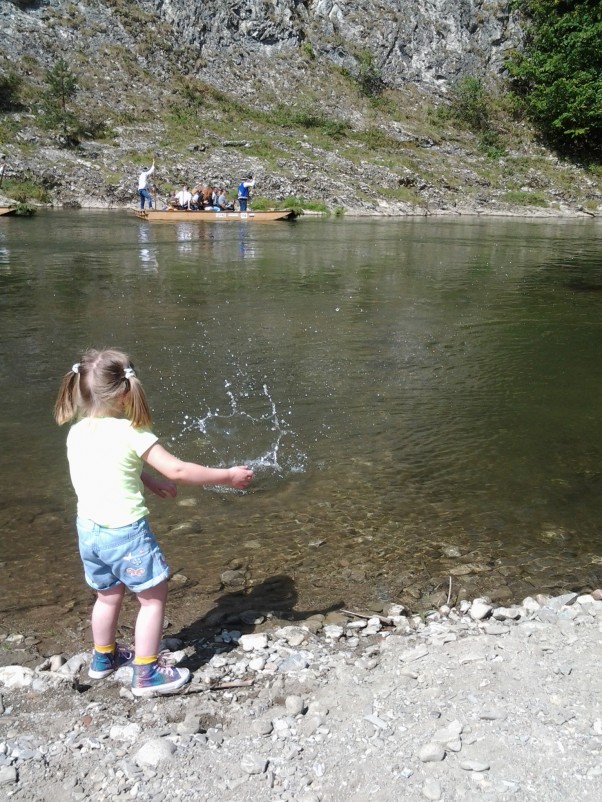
<point x="245" y="611"/>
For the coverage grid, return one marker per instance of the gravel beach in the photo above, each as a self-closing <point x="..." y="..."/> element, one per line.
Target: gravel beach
<point x="477" y="702"/>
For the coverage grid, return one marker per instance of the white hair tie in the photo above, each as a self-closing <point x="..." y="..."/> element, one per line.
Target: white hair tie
<point x="129" y="373"/>
<point x="75" y="368"/>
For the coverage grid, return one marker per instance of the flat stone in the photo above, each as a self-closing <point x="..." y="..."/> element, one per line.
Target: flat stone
<point x="431" y="753"/>
<point x="507" y="613"/>
<point x="253" y="764"/>
<point x="493" y="714"/>
<point x="125" y="732"/>
<point x="557" y="602"/>
<point x="474" y="765"/>
<point x="495" y="628"/>
<point x="294" y="662"/>
<point x="8" y="775"/>
<point x="431" y="789"/>
<point x="253" y="642"/>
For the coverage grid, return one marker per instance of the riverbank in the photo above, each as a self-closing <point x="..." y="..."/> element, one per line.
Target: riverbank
<point x="477" y="702"/>
<point x="381" y="211"/>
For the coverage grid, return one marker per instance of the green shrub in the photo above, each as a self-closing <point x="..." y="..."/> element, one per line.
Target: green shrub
<point x="491" y="145"/>
<point x="10" y="84"/>
<point x="307" y="50"/>
<point x="368" y="76"/>
<point x="288" y="117"/>
<point x="469" y="103"/>
<point x="376" y="139"/>
<point x="558" y="74"/>
<point x="298" y="203"/>
<point x="24" y="191"/>
<point x="335" y="128"/>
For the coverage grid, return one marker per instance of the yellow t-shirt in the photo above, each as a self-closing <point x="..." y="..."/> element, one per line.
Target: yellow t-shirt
<point x="105" y="462"/>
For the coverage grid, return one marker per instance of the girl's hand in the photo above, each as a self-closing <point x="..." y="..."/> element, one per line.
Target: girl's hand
<point x="240" y="476"/>
<point x="159" y="486"/>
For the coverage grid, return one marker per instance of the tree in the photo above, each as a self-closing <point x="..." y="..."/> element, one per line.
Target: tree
<point x="62" y="88"/>
<point x="558" y="75"/>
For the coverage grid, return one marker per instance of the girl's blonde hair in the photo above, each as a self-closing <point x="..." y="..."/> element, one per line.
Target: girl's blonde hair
<point x="102" y="383"/>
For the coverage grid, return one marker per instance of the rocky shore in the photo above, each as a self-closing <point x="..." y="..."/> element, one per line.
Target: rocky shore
<point x="476" y="702"/>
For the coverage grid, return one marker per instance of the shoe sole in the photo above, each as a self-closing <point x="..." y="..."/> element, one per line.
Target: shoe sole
<point x="100" y="674"/>
<point x="93" y="674"/>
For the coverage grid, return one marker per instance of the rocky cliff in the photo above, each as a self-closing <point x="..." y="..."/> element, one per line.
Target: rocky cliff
<point x="333" y="101"/>
<point x="428" y="42"/>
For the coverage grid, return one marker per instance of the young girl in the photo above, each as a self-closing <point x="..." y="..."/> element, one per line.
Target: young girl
<point x="106" y="448"/>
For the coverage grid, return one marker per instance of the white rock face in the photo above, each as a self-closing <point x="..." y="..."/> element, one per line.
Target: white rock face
<point x="409" y="40"/>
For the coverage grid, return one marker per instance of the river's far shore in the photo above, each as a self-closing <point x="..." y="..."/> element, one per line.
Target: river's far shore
<point x="381" y="210"/>
<point x="476" y="702"/>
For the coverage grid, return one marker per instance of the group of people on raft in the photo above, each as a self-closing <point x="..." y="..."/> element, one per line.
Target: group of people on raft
<point x="202" y="197"/>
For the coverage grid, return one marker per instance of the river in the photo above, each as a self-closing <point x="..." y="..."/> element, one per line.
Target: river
<point x="419" y="399"/>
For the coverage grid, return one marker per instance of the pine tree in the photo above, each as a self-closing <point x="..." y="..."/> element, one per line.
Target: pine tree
<point x="62" y="88"/>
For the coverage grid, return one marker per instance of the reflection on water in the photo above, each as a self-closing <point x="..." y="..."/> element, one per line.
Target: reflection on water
<point x="419" y="398"/>
<point x="148" y="252"/>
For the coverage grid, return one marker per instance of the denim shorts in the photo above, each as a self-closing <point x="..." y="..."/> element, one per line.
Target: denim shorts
<point x="128" y="555"/>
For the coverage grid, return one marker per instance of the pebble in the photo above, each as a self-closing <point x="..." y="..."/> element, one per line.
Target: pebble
<point x="480" y="609"/>
<point x="262" y="727"/>
<point x="190" y="726"/>
<point x="294" y="705"/>
<point x="294" y="662"/>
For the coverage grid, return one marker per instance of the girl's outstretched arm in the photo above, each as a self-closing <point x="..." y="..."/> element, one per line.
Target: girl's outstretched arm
<point x="189" y="473"/>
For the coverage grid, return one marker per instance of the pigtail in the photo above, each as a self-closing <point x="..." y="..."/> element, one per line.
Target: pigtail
<point x="136" y="406"/>
<point x="66" y="406"/>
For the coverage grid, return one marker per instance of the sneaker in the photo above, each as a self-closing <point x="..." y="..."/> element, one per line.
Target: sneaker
<point x="104" y="664"/>
<point x="158" y="678"/>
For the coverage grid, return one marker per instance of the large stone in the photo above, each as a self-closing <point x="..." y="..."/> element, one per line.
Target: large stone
<point x="155" y="752"/>
<point x="431" y="753"/>
<point x="16" y="676"/>
<point x="8" y="775"/>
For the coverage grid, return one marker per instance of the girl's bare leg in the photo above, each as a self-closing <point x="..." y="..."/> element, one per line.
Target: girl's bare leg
<point x="105" y="615"/>
<point x="149" y="624"/>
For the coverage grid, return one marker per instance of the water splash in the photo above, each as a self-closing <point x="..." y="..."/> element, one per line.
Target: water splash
<point x="250" y="431"/>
